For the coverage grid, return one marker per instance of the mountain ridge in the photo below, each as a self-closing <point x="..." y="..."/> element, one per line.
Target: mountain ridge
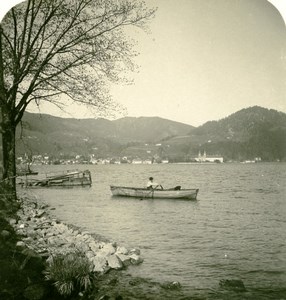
<point x="251" y="132"/>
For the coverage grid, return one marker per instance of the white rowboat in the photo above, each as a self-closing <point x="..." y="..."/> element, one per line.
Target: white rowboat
<point x="190" y="194"/>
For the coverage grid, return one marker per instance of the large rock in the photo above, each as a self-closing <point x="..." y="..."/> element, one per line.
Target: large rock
<point x="56" y="241"/>
<point x="126" y="260"/>
<point x="173" y="285"/>
<point x="12" y="222"/>
<point x="89" y="254"/>
<point x="108" y="249"/>
<point x="114" y="262"/>
<point x="82" y="247"/>
<point x="49" y="233"/>
<point x="136" y="259"/>
<point x="233" y="285"/>
<point x="121" y="250"/>
<point x="60" y="228"/>
<point x="99" y="264"/>
<point x="38" y="213"/>
<point x="134" y="251"/>
<point x="94" y="246"/>
<point x="20" y="244"/>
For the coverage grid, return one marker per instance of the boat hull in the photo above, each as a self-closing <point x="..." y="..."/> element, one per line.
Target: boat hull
<point x="68" y="179"/>
<point x="190" y="194"/>
<point x="65" y="182"/>
<point x="26" y="173"/>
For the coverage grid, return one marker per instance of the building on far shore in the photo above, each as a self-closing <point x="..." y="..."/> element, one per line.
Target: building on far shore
<point x="208" y="158"/>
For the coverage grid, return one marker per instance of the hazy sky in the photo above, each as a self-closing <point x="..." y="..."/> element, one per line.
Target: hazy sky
<point x="204" y="60"/>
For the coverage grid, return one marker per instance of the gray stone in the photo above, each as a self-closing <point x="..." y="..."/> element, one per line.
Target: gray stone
<point x="126" y="260"/>
<point x="114" y="262"/>
<point x="21" y="232"/>
<point x="12" y="222"/>
<point x="85" y="233"/>
<point x="136" y="259"/>
<point x="232" y="284"/>
<point x="108" y="249"/>
<point x="94" y="246"/>
<point x="60" y="228"/>
<point x="39" y="213"/>
<point x="135" y="251"/>
<point x="49" y="234"/>
<point x="82" y="246"/>
<point x="89" y="255"/>
<point x="122" y="250"/>
<point x="99" y="264"/>
<point x="20" y="244"/>
<point x="174" y="285"/>
<point x="28" y="240"/>
<point x="69" y="239"/>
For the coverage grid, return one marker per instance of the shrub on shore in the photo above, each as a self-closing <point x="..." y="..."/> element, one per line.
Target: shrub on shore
<point x="70" y="273"/>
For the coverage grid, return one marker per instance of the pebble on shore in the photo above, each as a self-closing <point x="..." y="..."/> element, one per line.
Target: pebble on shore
<point x="49" y="237"/>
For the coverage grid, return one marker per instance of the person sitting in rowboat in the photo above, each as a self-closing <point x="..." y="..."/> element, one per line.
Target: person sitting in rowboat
<point x="153" y="185"/>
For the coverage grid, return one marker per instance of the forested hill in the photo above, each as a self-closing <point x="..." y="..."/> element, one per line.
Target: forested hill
<point x="127" y="129"/>
<point x="244" y="124"/>
<point x="250" y="133"/>
<point x="247" y="134"/>
<point x="42" y="133"/>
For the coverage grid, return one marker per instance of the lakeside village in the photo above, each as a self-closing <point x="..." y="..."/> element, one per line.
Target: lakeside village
<point x="81" y="159"/>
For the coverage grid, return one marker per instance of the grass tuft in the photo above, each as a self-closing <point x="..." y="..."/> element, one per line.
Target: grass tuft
<point x="69" y="272"/>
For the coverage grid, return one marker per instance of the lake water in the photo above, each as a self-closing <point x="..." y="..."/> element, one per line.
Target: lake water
<point x="236" y="229"/>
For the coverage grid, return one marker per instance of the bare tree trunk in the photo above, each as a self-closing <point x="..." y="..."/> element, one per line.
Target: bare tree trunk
<point x="8" y="149"/>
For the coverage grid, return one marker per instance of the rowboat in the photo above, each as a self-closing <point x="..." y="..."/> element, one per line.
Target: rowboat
<point x="173" y="193"/>
<point x="65" y="179"/>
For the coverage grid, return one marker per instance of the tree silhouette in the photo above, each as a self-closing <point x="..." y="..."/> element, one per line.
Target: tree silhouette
<point x="51" y="48"/>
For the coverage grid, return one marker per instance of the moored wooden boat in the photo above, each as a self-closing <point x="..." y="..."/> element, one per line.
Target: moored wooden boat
<point x="26" y="173"/>
<point x="66" y="179"/>
<point x="173" y="193"/>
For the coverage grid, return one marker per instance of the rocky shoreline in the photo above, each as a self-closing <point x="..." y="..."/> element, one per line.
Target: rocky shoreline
<point x="42" y="236"/>
<point x="49" y="237"/>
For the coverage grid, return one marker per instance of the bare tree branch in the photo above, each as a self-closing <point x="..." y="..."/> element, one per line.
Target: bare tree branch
<point x="51" y="50"/>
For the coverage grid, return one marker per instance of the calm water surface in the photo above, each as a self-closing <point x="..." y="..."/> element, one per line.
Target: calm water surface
<point x="236" y="229"/>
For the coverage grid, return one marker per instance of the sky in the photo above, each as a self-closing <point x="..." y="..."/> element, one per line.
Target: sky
<point x="203" y="60"/>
